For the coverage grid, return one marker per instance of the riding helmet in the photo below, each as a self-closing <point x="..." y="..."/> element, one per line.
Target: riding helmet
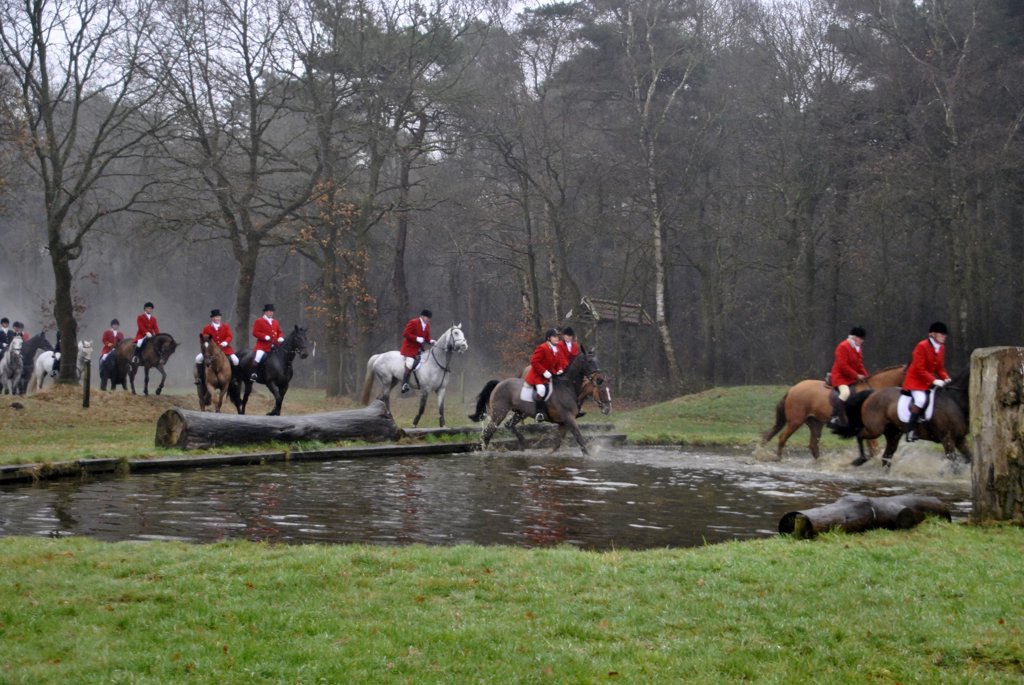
<point x="148" y="304"/>
<point x="859" y="332"/>
<point x="568" y="331"/>
<point x="938" y="327"/>
<point x="268" y="307"/>
<point x="551" y="333"/>
<point x="115" y="322"/>
<point x="214" y="312"/>
<point x="426" y="313"/>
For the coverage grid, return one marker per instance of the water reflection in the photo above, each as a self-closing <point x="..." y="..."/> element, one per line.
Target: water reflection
<point x="622" y="498"/>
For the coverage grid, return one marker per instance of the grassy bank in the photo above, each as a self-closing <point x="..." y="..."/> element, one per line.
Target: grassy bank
<point x="939" y="604"/>
<point x="53" y="425"/>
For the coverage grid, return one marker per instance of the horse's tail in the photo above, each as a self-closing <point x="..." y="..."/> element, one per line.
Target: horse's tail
<point x="780" y="420"/>
<point x="481" y="401"/>
<point x="854" y="419"/>
<point x="368" y="383"/>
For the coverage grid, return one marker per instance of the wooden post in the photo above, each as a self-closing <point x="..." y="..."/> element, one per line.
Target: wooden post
<point x="86" y="374"/>
<point x="997" y="430"/>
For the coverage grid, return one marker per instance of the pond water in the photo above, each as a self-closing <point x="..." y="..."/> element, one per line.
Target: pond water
<point x="631" y="498"/>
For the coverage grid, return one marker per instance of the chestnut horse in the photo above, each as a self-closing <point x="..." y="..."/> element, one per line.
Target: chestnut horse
<point x="808" y="402"/>
<point x="872" y="414"/>
<point x="216" y="374"/>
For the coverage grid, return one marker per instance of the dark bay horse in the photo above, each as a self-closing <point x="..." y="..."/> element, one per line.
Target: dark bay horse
<point x="276" y="373"/>
<point x="808" y="402"/>
<point x="872" y="414"/>
<point x="499" y="399"/>
<point x="33" y="346"/>
<point x="153" y="355"/>
<point x="216" y="374"/>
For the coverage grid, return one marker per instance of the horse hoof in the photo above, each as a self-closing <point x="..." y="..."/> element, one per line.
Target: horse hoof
<point x="859" y="461"/>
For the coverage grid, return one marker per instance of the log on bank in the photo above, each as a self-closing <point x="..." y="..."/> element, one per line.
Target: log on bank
<point x="186" y="429"/>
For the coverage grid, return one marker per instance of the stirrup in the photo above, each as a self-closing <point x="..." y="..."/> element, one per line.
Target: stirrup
<point x="254" y="376"/>
<point x="135" y="359"/>
<point x="911" y="435"/>
<point x="540" y="417"/>
<point x="405" y="388"/>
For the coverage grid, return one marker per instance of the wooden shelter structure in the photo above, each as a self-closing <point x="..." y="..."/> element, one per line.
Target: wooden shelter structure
<point x="618" y="331"/>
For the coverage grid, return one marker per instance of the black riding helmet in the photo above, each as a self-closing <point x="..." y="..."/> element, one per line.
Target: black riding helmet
<point x="938" y="327"/>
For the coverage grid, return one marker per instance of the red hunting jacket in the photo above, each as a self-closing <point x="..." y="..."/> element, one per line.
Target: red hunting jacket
<point x="545" y="358"/>
<point x="110" y="339"/>
<point x="567" y="355"/>
<point x="416" y="328"/>
<point x="848" y="364"/>
<point x="267" y="333"/>
<point x="145" y="324"/>
<point x="926" y="365"/>
<point x="221" y="334"/>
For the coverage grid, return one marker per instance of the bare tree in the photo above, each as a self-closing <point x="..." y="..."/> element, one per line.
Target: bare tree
<point x="80" y="69"/>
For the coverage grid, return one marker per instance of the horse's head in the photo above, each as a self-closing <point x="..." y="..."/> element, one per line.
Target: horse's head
<point x="296" y="342"/>
<point x="597" y="388"/>
<point x="164" y="345"/>
<point x="14" y="349"/>
<point x="455" y="339"/>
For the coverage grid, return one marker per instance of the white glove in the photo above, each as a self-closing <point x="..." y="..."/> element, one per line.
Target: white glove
<point x="559" y="373"/>
<point x="547" y="374"/>
<point x="938" y="383"/>
<point x="431" y="341"/>
<point x="224" y="344"/>
<point x="149" y="335"/>
<point x="56" y="355"/>
<point x="280" y="340"/>
<point x="419" y="339"/>
<point x="266" y="337"/>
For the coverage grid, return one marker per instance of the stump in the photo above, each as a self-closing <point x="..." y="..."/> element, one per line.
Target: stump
<point x="857" y="513"/>
<point x="997" y="430"/>
<point x="186" y="429"/>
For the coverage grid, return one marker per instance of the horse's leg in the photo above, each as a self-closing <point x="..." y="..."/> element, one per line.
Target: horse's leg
<point x="862" y="459"/>
<point x="784" y="436"/>
<point x="961" y="444"/>
<point x="892" y="441"/>
<point x="131" y="377"/>
<point x="815" y="427"/>
<point x="423" y="406"/>
<point x="163" y="378"/>
<point x="276" y="411"/>
<point x="575" y="428"/>
<point x="513" y="425"/>
<point x="440" y="404"/>
<point x="490" y="427"/>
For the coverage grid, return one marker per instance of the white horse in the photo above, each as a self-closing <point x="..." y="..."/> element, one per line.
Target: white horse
<point x="431" y="375"/>
<point x="11" y="366"/>
<point x="42" y="372"/>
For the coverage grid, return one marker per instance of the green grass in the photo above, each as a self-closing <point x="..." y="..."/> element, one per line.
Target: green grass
<point x="942" y="603"/>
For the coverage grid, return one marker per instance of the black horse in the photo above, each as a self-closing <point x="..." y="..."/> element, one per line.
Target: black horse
<point x="498" y="399"/>
<point x="872" y="414"/>
<point x="37" y="343"/>
<point x="122" y="369"/>
<point x="275" y="372"/>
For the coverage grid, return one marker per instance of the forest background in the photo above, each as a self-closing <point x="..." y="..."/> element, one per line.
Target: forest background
<point x="731" y="184"/>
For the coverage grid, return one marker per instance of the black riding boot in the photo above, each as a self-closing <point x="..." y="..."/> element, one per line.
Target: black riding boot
<point x="915" y="416"/>
<point x="405" y="381"/>
<point x="200" y="373"/>
<point x="542" y="411"/>
<point x="838" y="419"/>
<point x="255" y="375"/>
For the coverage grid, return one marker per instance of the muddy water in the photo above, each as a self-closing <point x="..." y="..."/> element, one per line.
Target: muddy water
<point x="619" y="498"/>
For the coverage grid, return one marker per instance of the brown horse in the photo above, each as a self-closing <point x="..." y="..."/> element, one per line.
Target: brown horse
<point x="872" y="414"/>
<point x="216" y="374"/>
<point x="808" y="402"/>
<point x="499" y="399"/>
<point x="153" y="355"/>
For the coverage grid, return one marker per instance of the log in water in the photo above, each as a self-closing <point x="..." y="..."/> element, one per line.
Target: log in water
<point x="856" y="513"/>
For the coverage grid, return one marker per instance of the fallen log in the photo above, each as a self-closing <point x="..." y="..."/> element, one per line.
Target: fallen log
<point x="186" y="429"/>
<point x="857" y="513"/>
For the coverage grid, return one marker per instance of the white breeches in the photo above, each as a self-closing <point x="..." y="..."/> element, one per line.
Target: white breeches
<point x="233" y="357"/>
<point x="844" y="392"/>
<point x="919" y="397"/>
<point x="260" y="354"/>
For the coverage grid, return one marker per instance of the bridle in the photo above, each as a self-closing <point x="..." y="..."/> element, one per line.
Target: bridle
<point x="595" y="388"/>
<point x="449" y="350"/>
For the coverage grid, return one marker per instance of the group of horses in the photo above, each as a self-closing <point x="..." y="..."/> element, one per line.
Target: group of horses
<point x="873" y="411"/>
<point x="28" y="365"/>
<point x="499" y="401"/>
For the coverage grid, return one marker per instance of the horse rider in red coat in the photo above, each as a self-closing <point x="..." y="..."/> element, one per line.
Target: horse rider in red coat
<point x="110" y="339"/>
<point x="415" y="338"/>
<point x="146" y="328"/>
<point x="927" y="369"/>
<point x="221" y="334"/>
<point x="847" y="369"/>
<point x="568" y="347"/>
<point x="545" y="363"/>
<point x="268" y="333"/>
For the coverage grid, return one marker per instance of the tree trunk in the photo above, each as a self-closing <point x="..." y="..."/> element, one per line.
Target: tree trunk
<point x="856" y="513"/>
<point x="64" y="313"/>
<point x="186" y="429"/>
<point x="997" y="414"/>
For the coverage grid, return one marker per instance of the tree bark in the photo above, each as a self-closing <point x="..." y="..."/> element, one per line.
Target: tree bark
<point x="997" y="414"/>
<point x="857" y="513"/>
<point x="186" y="429"/>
